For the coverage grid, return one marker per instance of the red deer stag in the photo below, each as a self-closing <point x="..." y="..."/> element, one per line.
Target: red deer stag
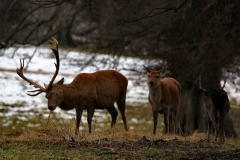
<point x="216" y="107"/>
<point x="90" y="91"/>
<point x="164" y="97"/>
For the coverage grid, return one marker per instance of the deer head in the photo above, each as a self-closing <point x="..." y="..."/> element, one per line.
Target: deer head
<point x="206" y="91"/>
<point x="154" y="77"/>
<point x="52" y="92"/>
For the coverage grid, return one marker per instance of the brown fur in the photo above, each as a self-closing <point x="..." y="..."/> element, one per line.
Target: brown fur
<point x="90" y="91"/>
<point x="99" y="90"/>
<point x="164" y="97"/>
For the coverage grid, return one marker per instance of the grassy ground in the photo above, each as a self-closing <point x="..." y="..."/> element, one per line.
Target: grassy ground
<point x="56" y="140"/>
<point x="51" y="142"/>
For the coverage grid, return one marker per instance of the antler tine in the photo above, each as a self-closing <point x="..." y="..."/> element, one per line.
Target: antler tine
<point x="200" y="85"/>
<point x="54" y="48"/>
<point x="20" y="73"/>
<point x="35" y="90"/>
<point x="40" y="91"/>
<point x="21" y="64"/>
<point x="54" y="45"/>
<point x="224" y="83"/>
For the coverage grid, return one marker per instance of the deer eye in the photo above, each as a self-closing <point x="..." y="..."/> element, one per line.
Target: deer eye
<point x="53" y="93"/>
<point x="157" y="77"/>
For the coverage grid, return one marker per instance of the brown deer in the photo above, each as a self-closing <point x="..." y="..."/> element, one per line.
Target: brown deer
<point x="216" y="107"/>
<point x="164" y="97"/>
<point x="90" y="91"/>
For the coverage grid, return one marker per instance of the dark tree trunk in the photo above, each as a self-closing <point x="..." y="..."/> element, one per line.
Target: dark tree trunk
<point x="65" y="37"/>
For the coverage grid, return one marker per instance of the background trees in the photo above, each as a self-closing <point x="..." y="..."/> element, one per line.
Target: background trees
<point x="201" y="37"/>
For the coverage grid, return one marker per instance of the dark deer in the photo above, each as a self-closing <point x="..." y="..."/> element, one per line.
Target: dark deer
<point x="90" y="91"/>
<point x="164" y="97"/>
<point x="216" y="107"/>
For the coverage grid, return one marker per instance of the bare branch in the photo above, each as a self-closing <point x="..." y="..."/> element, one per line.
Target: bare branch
<point x="165" y="10"/>
<point x="48" y="3"/>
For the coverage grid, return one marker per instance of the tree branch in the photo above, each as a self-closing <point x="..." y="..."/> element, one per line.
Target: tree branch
<point x="165" y="10"/>
<point x="51" y="3"/>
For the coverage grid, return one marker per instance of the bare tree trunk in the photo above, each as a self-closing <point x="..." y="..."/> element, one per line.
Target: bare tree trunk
<point x="190" y="115"/>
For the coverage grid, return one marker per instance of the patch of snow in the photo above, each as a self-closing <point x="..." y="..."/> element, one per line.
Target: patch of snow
<point x="13" y="88"/>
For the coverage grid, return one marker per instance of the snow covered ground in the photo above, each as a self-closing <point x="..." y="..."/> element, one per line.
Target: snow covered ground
<point x="13" y="89"/>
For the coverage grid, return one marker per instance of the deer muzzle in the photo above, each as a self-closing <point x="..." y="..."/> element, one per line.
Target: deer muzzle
<point x="151" y="83"/>
<point x="51" y="108"/>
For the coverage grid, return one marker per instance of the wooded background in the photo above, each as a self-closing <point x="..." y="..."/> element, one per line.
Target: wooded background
<point x="192" y="37"/>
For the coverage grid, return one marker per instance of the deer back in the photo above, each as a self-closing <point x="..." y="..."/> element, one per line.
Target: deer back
<point x="111" y="87"/>
<point x="103" y="87"/>
<point x="217" y="99"/>
<point x="170" y="91"/>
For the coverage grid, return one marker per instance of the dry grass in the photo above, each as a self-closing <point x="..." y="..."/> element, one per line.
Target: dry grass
<point x="64" y="130"/>
<point x="57" y="141"/>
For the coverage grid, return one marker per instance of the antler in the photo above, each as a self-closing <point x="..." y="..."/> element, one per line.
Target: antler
<point x="20" y="73"/>
<point x="200" y="85"/>
<point x="54" y="48"/>
<point x="224" y="83"/>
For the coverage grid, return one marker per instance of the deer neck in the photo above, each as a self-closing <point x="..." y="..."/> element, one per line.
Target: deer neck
<point x="69" y="97"/>
<point x="156" y="96"/>
<point x="155" y="92"/>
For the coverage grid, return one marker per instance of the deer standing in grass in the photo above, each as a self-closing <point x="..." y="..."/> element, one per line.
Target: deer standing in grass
<point x="90" y="91"/>
<point x="164" y="97"/>
<point x="216" y="107"/>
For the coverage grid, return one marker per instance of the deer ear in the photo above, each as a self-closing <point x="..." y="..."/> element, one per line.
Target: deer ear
<point x="146" y="69"/>
<point x="163" y="70"/>
<point x="61" y="81"/>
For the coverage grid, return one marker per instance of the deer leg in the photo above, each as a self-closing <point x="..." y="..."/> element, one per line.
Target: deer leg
<point x="174" y="118"/>
<point x="216" y="128"/>
<point x="113" y="112"/>
<point x="166" y="120"/>
<point x="170" y="122"/>
<point x="78" y="119"/>
<point x="221" y="133"/>
<point x="222" y="136"/>
<point x="213" y="117"/>
<point x="90" y="112"/>
<point x="209" y="122"/>
<point x="155" y="121"/>
<point x="121" y="106"/>
<point x="217" y="131"/>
